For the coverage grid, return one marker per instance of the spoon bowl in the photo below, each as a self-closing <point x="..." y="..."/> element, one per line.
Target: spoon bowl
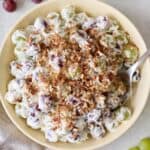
<point x="127" y="74"/>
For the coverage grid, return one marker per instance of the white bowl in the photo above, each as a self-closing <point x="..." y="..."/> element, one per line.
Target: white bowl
<point x="94" y="8"/>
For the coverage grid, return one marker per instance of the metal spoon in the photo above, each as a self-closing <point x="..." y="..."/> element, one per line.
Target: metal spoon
<point x="127" y="75"/>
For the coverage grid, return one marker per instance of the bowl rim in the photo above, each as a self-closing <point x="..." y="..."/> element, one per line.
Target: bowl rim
<point x="2" y="100"/>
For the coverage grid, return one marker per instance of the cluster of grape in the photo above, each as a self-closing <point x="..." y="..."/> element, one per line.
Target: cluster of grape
<point x="11" y="5"/>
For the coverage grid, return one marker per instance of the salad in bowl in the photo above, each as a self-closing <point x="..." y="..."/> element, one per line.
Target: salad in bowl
<point x="65" y="73"/>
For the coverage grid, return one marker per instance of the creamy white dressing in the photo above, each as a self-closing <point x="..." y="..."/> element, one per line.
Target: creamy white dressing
<point x="32" y="50"/>
<point x="55" y="61"/>
<point x="40" y="23"/>
<point x="82" y="41"/>
<point x="94" y="115"/>
<point x="18" y="36"/>
<point x="97" y="131"/>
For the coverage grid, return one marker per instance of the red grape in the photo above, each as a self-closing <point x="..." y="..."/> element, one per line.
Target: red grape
<point x="10" y="5"/>
<point x="37" y="1"/>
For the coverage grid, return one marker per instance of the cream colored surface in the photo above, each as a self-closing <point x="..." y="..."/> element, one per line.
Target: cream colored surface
<point x="94" y="9"/>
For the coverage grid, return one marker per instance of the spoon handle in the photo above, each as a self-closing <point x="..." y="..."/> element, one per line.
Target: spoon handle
<point x="139" y="62"/>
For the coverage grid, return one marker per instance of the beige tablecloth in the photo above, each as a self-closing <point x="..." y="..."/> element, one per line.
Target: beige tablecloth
<point x="12" y="139"/>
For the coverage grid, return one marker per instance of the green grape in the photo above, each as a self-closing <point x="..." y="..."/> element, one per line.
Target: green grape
<point x="145" y="144"/>
<point x="134" y="148"/>
<point x="123" y="113"/>
<point x="131" y="53"/>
